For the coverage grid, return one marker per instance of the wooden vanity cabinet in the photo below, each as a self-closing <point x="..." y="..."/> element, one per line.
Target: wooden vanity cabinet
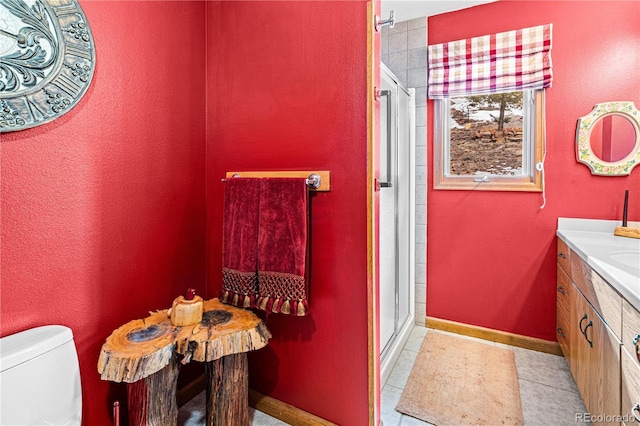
<point x="630" y="363"/>
<point x="630" y="388"/>
<point x="564" y="290"/>
<point x="564" y="256"/>
<point x="597" y="359"/>
<point x="564" y="294"/>
<point x="591" y="347"/>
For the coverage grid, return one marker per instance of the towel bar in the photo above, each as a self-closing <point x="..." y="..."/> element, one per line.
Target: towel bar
<point x="316" y="180"/>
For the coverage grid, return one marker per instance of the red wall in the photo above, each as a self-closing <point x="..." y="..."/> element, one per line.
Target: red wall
<point x="287" y="91"/>
<point x="103" y="210"/>
<point x="491" y="255"/>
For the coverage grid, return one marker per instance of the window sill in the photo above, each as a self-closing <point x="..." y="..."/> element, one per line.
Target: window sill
<point x="468" y="183"/>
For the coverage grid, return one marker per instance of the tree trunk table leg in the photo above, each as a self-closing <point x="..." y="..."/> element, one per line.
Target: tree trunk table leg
<point x="227" y="390"/>
<point x="152" y="400"/>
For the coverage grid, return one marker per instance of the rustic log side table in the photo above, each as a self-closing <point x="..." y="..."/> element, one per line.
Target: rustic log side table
<point x="147" y="355"/>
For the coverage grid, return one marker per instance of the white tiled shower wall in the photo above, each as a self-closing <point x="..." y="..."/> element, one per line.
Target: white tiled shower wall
<point x="404" y="51"/>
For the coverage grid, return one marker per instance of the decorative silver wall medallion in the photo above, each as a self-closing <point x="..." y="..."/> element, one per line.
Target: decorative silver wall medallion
<point x="47" y="59"/>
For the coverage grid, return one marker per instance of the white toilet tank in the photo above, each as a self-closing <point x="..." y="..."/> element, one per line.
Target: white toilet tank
<point x="40" y="378"/>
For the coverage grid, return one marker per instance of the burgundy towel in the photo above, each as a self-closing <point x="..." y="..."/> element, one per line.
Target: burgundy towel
<point x="282" y="246"/>
<point x="240" y="242"/>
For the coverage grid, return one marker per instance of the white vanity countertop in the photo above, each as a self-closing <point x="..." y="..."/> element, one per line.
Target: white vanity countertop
<point x="616" y="259"/>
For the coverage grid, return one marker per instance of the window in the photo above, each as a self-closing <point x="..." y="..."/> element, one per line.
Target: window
<point x="490" y="141"/>
<point x="489" y="96"/>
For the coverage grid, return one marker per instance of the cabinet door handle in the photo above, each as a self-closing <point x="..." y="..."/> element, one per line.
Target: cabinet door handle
<point x="585" y="333"/>
<point x="562" y="291"/>
<point x="580" y="325"/>
<point x="636" y="343"/>
<point x="562" y="255"/>
<point x="636" y="409"/>
<point x="561" y="332"/>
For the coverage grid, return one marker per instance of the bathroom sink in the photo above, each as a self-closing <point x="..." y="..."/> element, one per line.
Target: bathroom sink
<point x="616" y="259"/>
<point x="627" y="258"/>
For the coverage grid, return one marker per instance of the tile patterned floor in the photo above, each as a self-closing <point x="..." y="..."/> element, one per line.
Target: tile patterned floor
<point x="547" y="390"/>
<point x="193" y="414"/>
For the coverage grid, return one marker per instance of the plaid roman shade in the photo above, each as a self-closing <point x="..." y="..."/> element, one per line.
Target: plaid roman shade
<point x="502" y="62"/>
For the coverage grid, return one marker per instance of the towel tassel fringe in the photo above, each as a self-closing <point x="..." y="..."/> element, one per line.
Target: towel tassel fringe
<point x="276" y="306"/>
<point x="270" y="303"/>
<point x="262" y="303"/>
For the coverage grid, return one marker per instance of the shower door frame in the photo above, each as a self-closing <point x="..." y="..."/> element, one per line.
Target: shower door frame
<point x="390" y="353"/>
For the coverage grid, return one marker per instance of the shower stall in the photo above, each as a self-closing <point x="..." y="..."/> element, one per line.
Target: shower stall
<point x="397" y="218"/>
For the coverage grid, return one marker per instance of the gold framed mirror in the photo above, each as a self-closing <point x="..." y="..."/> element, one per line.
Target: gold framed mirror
<point x="608" y="139"/>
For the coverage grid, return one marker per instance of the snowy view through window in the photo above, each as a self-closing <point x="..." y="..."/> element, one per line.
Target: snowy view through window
<point x="486" y="135"/>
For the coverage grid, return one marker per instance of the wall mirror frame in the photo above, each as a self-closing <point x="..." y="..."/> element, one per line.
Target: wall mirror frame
<point x="613" y="127"/>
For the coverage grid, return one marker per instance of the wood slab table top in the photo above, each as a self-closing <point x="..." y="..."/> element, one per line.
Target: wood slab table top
<point x="142" y="347"/>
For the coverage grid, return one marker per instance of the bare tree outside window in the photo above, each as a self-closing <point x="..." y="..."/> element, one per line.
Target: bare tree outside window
<point x="491" y="142"/>
<point x="486" y="135"/>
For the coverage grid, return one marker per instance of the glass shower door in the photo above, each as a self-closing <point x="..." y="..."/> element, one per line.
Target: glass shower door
<point x="395" y="221"/>
<point x="388" y="205"/>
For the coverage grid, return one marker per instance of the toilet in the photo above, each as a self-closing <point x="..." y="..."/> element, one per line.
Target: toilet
<point x="40" y="378"/>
